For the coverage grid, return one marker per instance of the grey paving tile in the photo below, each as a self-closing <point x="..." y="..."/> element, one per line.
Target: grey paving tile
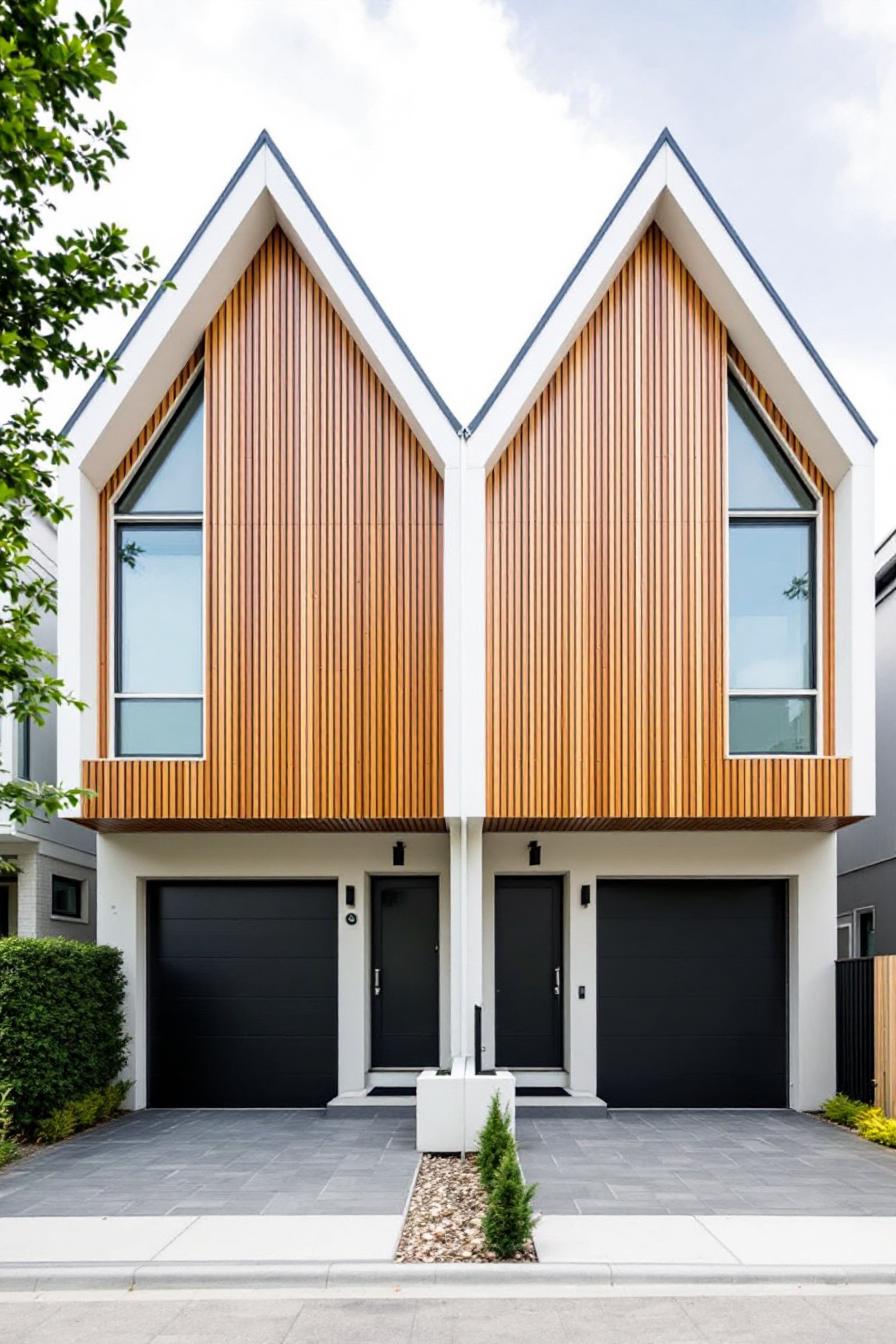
<point x="156" y="1162"/>
<point x="709" y="1162"/>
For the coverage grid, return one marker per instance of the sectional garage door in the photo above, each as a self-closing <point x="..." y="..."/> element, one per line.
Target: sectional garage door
<point x="692" y="993"/>
<point x="242" y="993"/>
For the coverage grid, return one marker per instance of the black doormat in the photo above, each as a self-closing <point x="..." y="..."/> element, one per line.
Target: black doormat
<point x="392" y="1092"/>
<point x="542" y="1092"/>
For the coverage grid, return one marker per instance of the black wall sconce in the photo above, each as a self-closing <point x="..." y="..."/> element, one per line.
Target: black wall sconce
<point x="398" y="854"/>
<point x="534" y="853"/>
<point x="585" y="895"/>
<point x="349" y="895"/>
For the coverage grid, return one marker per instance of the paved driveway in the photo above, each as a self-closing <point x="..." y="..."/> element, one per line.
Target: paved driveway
<point x="705" y="1162"/>
<point x="220" y="1162"/>
<point x="303" y="1162"/>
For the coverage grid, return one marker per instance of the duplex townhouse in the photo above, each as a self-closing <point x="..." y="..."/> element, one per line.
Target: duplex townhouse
<point x="555" y="714"/>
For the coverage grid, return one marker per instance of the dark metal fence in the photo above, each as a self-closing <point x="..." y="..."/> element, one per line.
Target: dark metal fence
<point x="855" y="1028"/>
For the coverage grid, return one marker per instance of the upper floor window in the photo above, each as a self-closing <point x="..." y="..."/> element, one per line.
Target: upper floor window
<point x="158" y="594"/>
<point x="772" y="663"/>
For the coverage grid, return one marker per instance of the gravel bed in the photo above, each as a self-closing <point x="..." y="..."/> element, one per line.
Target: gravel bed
<point x="444" y="1220"/>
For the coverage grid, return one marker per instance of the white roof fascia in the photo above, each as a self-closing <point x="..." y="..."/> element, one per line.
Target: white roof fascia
<point x="104" y="428"/>
<point x="379" y="341"/>
<point x="534" y="368"/>
<point x="262" y="192"/>
<point x="760" y="327"/>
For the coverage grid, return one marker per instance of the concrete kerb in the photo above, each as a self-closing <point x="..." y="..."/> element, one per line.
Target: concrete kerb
<point x="34" y="1278"/>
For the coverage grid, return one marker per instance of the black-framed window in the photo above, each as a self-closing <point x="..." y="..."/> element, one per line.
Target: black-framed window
<point x="67" y="897"/>
<point x="158" y="594"/>
<point x="772" y="591"/>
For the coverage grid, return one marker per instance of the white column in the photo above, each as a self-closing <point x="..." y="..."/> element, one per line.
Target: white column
<point x="464" y="729"/>
<point x="466" y="931"/>
<point x="472" y="985"/>
<point x="813" y="951"/>
<point x="121" y="923"/>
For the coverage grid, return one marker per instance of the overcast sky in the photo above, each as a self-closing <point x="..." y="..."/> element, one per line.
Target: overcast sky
<point x="464" y="151"/>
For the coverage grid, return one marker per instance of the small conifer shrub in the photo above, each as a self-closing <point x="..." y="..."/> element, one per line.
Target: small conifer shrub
<point x="495" y="1138"/>
<point x="509" y="1219"/>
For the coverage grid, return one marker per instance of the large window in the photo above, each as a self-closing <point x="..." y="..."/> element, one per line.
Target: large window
<point x="158" y="594"/>
<point x="772" y="672"/>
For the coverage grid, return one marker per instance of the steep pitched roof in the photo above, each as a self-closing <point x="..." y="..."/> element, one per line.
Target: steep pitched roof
<point x="667" y="189"/>
<point x="263" y="191"/>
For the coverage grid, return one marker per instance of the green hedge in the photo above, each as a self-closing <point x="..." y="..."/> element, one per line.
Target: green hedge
<point x="61" y="1023"/>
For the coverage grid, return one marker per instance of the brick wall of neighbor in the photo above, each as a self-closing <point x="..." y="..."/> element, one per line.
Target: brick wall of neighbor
<point x="34" y="888"/>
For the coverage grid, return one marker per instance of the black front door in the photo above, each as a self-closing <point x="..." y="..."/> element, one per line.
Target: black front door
<point x="529" y="972"/>
<point x="4" y="912"/>
<point x="405" y="979"/>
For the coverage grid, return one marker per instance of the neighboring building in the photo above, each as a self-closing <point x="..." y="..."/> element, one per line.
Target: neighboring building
<point x="556" y="713"/>
<point x="866" y="854"/>
<point x="53" y="891"/>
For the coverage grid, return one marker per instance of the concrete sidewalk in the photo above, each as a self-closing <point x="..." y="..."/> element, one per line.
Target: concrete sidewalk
<point x="445" y="1318"/>
<point x="285" y="1251"/>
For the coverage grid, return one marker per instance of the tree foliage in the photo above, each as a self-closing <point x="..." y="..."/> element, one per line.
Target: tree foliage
<point x="52" y="141"/>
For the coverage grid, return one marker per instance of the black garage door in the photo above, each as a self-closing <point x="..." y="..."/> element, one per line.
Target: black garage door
<point x="692" y="993"/>
<point x="242" y="993"/>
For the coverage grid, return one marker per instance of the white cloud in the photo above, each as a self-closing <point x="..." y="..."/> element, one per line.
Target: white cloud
<point x="462" y="189"/>
<point x="865" y="126"/>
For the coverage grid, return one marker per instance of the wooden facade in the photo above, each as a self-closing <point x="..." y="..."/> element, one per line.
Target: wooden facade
<point x="606" y="573"/>
<point x="885" y="1034"/>
<point x="323" y="535"/>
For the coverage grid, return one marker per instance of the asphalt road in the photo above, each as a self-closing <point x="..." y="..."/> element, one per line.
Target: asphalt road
<point x="257" y="1319"/>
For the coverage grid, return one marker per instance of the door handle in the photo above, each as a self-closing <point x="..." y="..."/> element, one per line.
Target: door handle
<point x="557" y="980"/>
<point x="376" y="979"/>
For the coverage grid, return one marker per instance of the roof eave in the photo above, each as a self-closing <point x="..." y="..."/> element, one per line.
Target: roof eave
<point x="665" y="189"/>
<point x="263" y="192"/>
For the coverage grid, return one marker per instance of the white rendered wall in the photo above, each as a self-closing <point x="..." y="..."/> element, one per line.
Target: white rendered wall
<point x="125" y="863"/>
<point x="807" y="860"/>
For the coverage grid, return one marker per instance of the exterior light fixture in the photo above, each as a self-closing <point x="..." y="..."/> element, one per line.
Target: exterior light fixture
<point x="349" y="895"/>
<point x="534" y="853"/>
<point x="398" y="854"/>
<point x="586" y="895"/>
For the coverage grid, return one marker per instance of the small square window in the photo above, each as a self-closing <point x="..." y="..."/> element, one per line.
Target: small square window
<point x="67" y="898"/>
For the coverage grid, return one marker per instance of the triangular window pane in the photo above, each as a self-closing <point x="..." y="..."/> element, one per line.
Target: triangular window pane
<point x="171" y="480"/>
<point x="759" y="475"/>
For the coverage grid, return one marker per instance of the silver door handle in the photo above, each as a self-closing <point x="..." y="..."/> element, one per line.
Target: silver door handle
<point x="557" y="980"/>
<point x="376" y="979"/>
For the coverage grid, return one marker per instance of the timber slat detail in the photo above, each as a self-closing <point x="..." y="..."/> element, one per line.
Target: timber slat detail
<point x="885" y="1034"/>
<point x="323" y="582"/>
<point x="606" y="543"/>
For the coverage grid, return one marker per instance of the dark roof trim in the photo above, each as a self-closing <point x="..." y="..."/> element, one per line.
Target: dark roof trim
<point x="264" y="139"/>
<point x="562" y="291"/>
<point x="666" y="138"/>
<point x="363" y="286"/>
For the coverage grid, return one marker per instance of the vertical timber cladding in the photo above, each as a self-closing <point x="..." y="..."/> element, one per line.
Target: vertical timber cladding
<point x="323" y="585"/>
<point x="606" y="536"/>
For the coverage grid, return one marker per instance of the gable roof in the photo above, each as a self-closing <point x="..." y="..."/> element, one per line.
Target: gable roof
<point x="667" y="189"/>
<point x="265" y="191"/>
